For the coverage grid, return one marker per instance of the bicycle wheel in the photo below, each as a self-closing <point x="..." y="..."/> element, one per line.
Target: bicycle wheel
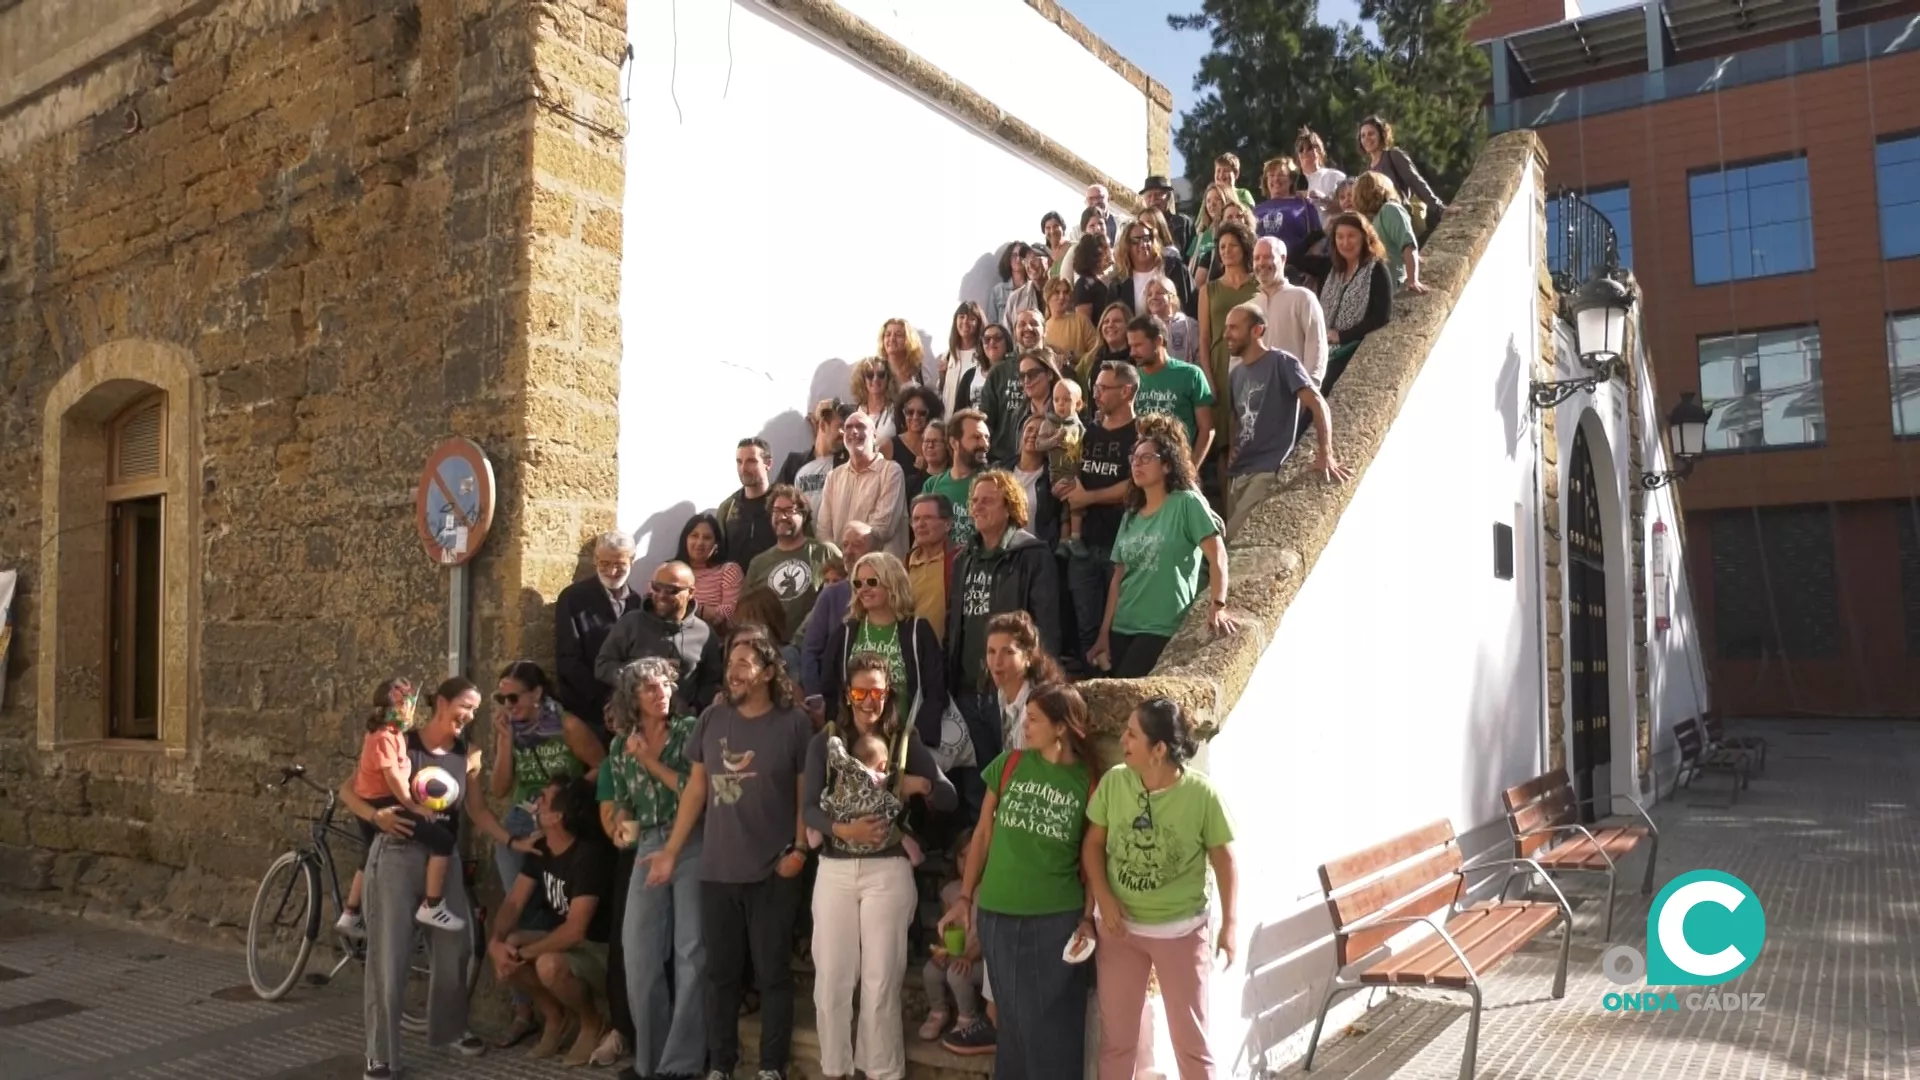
<point x="281" y="927"/>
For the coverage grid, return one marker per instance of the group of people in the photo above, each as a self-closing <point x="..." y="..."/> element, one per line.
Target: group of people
<point x="856" y="672"/>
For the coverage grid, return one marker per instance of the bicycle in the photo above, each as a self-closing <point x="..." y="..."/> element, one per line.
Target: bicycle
<point x="290" y="891"/>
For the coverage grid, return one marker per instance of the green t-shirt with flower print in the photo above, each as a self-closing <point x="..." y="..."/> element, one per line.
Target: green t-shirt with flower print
<point x="625" y="781"/>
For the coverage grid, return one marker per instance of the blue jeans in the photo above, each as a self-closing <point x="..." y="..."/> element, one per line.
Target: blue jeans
<point x="662" y="923"/>
<point x="1041" y="999"/>
<point x="1088" y="577"/>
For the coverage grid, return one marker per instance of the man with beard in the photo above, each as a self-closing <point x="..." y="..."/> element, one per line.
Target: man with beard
<point x="1158" y="195"/>
<point x="795" y="566"/>
<point x="967" y="438"/>
<point x="1295" y="322"/>
<point x="583" y="616"/>
<point x="1003" y="568"/>
<point x="666" y="625"/>
<point x="807" y="469"/>
<point x="745" y="529"/>
<point x="745" y="761"/>
<point x="1270" y="391"/>
<point x="1171" y="386"/>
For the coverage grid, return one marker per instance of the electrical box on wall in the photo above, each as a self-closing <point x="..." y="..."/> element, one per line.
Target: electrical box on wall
<point x="1503" y="551"/>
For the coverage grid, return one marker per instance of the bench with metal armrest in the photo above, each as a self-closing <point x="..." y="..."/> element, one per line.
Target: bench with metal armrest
<point x="1545" y="819"/>
<point x="1700" y="755"/>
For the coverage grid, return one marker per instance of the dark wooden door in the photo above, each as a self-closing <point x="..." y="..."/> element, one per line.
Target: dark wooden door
<point x="1587" y="704"/>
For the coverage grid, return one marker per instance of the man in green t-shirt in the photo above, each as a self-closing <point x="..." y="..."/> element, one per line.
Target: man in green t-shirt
<point x="1171" y="386"/>
<point x="795" y="566"/>
<point x="967" y="439"/>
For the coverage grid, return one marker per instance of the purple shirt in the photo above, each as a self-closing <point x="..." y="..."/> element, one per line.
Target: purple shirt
<point x="1289" y="220"/>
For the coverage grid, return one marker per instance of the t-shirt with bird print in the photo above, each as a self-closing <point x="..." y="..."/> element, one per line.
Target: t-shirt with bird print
<point x="753" y="769"/>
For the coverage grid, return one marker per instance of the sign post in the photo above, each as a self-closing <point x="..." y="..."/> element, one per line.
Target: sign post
<point x="453" y="509"/>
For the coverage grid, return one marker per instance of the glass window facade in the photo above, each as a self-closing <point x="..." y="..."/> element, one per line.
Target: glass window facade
<point x="1896" y="176"/>
<point x="1903" y="363"/>
<point x="1763" y="388"/>
<point x="1751" y="221"/>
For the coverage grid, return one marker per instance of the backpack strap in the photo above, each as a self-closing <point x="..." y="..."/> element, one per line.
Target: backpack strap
<point x="1006" y="774"/>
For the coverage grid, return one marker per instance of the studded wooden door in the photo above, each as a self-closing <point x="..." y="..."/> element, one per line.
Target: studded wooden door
<point x="1587" y="704"/>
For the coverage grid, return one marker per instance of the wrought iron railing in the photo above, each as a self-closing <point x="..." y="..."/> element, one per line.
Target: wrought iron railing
<point x="1581" y="243"/>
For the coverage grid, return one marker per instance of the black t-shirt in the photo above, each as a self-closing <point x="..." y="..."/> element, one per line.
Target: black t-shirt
<point x="1092" y="291"/>
<point x="439" y="780"/>
<point x="748" y="527"/>
<point x="584" y="869"/>
<point x="1105" y="460"/>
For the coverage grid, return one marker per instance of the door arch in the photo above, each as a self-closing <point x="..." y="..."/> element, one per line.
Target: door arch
<point x="1588" y="706"/>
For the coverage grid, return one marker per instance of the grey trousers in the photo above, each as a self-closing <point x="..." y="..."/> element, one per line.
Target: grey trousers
<point x="395" y="884"/>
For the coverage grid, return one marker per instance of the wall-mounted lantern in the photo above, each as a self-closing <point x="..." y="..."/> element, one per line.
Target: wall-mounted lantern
<point x="1600" y="311"/>
<point x="1686" y="441"/>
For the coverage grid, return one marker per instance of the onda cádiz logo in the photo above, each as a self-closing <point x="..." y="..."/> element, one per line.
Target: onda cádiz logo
<point x="1704" y="929"/>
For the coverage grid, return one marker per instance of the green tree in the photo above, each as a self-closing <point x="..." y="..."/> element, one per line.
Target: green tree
<point x="1273" y="68"/>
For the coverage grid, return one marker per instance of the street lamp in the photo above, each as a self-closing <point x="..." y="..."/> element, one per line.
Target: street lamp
<point x="1686" y="441"/>
<point x="1599" y="311"/>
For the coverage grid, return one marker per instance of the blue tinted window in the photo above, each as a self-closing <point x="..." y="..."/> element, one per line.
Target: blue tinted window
<point x="1896" y="168"/>
<point x="1751" y="221"/>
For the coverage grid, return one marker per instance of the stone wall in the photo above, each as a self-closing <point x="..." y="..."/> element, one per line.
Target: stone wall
<point x="325" y="207"/>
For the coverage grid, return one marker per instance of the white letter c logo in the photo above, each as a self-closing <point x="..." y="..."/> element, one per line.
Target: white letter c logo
<point x="1673" y="937"/>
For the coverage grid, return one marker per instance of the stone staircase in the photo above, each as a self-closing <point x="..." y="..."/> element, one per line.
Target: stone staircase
<point x="925" y="1060"/>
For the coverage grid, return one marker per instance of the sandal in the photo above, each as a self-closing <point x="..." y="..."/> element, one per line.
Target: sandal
<point x="935" y="1025"/>
<point x="517" y="1033"/>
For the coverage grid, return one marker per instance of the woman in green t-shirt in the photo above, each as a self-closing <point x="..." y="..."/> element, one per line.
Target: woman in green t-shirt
<point x="1154" y="828"/>
<point x="639" y="792"/>
<point x="1023" y="877"/>
<point x="881" y="619"/>
<point x="1168" y="527"/>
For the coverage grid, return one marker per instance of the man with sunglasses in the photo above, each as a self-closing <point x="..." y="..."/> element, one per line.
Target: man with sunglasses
<point x="667" y="625"/>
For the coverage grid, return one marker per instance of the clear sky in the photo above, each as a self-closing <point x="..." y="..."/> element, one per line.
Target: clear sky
<point x="1138" y="29"/>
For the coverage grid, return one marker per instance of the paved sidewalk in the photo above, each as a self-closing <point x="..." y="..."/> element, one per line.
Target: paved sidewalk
<point x="1826" y="837"/>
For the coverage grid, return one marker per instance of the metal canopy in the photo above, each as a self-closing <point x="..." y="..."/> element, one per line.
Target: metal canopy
<point x="1572" y="48"/>
<point x="1699" y="24"/>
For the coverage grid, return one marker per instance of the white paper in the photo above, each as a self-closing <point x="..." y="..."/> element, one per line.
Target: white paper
<point x="8" y="579"/>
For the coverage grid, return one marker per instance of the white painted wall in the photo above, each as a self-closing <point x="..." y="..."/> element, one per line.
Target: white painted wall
<point x="1405" y="662"/>
<point x="783" y="200"/>
<point x="1029" y="67"/>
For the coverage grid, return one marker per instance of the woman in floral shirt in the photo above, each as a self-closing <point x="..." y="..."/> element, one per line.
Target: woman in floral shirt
<point x="640" y="786"/>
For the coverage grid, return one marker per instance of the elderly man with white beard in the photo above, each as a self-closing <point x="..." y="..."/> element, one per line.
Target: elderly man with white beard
<point x="583" y="617"/>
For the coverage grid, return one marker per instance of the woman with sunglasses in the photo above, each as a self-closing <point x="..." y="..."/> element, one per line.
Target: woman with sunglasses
<point x="1144" y="258"/>
<point x="1022" y="893"/>
<point x="1012" y="268"/>
<point x="918" y="407"/>
<point x="1167" y="530"/>
<point x="1154" y="827"/>
<point x="875" y="390"/>
<point x="534" y="741"/>
<point x="864" y="897"/>
<point x="880" y="619"/>
<point x="1020" y="387"/>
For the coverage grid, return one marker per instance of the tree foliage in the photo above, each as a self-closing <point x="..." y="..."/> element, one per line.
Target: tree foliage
<point x="1274" y="68"/>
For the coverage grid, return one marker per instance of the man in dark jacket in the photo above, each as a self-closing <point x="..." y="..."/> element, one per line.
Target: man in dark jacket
<point x="583" y="616"/>
<point x="1158" y="195"/>
<point x="667" y="626"/>
<point x="1003" y="569"/>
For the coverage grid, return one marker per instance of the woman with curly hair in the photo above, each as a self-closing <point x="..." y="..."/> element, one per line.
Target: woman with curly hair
<point x="1375" y="196"/>
<point x="1357" y="295"/>
<point x="906" y="358"/>
<point x="1092" y="262"/>
<point x="917" y="408"/>
<point x="1167" y="530"/>
<point x="639" y="794"/>
<point x="716" y="579"/>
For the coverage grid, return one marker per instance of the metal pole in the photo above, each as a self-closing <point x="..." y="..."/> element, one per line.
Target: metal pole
<point x="457" y="622"/>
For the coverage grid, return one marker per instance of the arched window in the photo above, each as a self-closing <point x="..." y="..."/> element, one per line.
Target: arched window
<point x="136" y="506"/>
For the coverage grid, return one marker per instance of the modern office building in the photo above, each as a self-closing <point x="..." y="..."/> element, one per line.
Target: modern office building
<point x="1760" y="163"/>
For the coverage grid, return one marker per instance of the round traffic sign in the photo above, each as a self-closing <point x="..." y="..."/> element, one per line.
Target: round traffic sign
<point x="453" y="506"/>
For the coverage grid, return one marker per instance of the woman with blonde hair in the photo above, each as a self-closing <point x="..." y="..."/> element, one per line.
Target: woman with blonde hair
<point x="1375" y="196"/>
<point x="875" y="390"/>
<point x="880" y="619"/>
<point x="906" y="358"/>
<point x="1144" y="255"/>
<point x="1113" y="343"/>
<point x="1069" y="331"/>
<point x="1213" y="205"/>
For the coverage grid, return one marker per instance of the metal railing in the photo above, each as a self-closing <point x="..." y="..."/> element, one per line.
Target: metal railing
<point x="1581" y="243"/>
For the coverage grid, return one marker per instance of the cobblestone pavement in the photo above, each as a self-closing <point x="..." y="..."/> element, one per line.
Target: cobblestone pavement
<point x="1826" y="837"/>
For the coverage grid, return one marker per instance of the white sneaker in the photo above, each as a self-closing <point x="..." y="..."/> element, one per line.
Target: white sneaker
<point x="439" y="917"/>
<point x="351" y="925"/>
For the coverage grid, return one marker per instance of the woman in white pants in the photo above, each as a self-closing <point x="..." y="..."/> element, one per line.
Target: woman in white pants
<point x="864" y="897"/>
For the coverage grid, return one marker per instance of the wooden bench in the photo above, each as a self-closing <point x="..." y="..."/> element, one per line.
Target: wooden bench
<point x="1754" y="746"/>
<point x="1699" y="756"/>
<point x="1377" y="894"/>
<point x="1546" y="826"/>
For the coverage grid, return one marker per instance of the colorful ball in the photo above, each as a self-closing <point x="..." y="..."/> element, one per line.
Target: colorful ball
<point x="435" y="788"/>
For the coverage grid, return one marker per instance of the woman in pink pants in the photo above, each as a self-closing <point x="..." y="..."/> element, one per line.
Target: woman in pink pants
<point x="1154" y="827"/>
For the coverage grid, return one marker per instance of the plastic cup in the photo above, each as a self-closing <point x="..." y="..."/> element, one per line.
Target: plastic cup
<point x="956" y="941"/>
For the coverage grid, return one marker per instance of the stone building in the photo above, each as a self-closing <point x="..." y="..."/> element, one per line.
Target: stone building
<point x="256" y="258"/>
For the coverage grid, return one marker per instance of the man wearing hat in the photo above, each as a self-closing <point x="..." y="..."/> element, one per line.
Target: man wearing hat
<point x="1158" y="194"/>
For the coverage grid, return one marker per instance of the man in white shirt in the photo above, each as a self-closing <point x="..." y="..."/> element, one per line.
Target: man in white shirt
<point x="1097" y="202"/>
<point x="867" y="488"/>
<point x="1295" y="323"/>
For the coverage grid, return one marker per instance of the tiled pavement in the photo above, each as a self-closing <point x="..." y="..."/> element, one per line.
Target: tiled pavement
<point x="1826" y="837"/>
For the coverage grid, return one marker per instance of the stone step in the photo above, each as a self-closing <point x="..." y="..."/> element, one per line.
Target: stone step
<point x="925" y="1060"/>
